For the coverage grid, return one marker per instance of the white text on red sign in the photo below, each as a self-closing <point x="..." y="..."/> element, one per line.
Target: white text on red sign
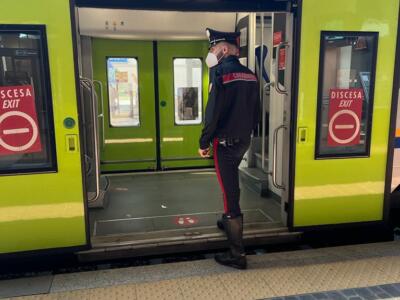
<point x="12" y="97"/>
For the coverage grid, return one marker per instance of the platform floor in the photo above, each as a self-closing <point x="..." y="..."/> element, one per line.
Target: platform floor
<point x="160" y="202"/>
<point x="368" y="271"/>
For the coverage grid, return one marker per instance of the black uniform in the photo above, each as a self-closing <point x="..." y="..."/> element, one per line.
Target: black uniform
<point x="232" y="113"/>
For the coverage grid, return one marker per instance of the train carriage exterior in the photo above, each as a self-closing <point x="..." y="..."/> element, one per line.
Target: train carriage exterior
<point x="102" y="103"/>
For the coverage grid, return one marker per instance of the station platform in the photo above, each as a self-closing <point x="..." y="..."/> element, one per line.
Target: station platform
<point x="367" y="271"/>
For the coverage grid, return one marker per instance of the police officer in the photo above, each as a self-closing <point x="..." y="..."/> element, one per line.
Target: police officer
<point x="232" y="113"/>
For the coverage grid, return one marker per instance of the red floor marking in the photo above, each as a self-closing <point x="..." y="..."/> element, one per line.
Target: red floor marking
<point x="186" y="220"/>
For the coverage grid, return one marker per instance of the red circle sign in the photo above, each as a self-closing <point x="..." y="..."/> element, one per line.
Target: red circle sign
<point x="18" y="131"/>
<point x="344" y="116"/>
<point x="186" y="220"/>
<point x="344" y="127"/>
<point x="19" y="127"/>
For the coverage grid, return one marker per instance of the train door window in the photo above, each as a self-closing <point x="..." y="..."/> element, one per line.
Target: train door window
<point x="345" y="97"/>
<point x="188" y="91"/>
<point x="123" y="91"/>
<point x="26" y="118"/>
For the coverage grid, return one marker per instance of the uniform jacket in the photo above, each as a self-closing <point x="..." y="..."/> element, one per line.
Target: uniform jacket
<point x="233" y="108"/>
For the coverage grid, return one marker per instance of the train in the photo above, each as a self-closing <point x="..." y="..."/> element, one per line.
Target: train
<point x="102" y="104"/>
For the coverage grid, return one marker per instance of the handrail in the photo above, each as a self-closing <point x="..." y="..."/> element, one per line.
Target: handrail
<point x="90" y="86"/>
<point x="276" y="73"/>
<point x="275" y="158"/>
<point x="101" y="114"/>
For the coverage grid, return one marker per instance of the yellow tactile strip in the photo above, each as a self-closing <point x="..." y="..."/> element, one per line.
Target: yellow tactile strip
<point x="269" y="275"/>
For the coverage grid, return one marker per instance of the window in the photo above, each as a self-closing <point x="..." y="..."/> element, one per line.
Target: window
<point x="26" y="117"/>
<point x="188" y="91"/>
<point x="346" y="90"/>
<point x="123" y="91"/>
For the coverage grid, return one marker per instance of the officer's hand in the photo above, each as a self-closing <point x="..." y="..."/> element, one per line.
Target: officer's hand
<point x="204" y="152"/>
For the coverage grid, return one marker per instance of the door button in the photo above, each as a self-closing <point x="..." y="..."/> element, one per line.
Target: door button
<point x="302" y="135"/>
<point x="163" y="103"/>
<point x="71" y="141"/>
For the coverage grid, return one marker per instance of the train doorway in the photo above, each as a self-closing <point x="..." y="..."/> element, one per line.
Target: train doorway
<point x="172" y="211"/>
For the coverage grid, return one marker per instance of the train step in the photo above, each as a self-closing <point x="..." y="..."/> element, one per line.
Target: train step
<point x="255" y="179"/>
<point x="181" y="241"/>
<point x="102" y="198"/>
<point x="258" y="161"/>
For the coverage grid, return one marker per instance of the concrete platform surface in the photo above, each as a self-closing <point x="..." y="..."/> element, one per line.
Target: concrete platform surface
<point x="368" y="271"/>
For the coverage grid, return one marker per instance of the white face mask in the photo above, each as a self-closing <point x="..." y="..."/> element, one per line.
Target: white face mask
<point x="213" y="59"/>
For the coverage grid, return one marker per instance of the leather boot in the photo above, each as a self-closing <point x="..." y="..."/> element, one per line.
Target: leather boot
<point x="220" y="223"/>
<point x="235" y="257"/>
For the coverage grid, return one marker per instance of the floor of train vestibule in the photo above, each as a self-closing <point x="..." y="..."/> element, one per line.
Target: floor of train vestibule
<point x="168" y="202"/>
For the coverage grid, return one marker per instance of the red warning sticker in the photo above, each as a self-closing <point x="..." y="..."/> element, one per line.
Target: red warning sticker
<point x="282" y="59"/>
<point x="344" y="117"/>
<point x="19" y="129"/>
<point x="277" y="38"/>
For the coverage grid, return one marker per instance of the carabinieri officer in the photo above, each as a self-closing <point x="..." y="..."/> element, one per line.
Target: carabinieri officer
<point x="232" y="113"/>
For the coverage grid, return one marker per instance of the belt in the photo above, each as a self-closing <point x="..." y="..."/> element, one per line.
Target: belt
<point x="226" y="142"/>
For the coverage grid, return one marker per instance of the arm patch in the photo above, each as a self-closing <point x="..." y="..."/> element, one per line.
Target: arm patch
<point x="230" y="77"/>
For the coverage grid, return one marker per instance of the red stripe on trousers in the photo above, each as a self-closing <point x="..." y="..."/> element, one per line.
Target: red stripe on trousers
<point x="215" y="144"/>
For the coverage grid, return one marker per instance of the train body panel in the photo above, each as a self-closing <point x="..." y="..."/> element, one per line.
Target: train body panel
<point x="326" y="101"/>
<point x="37" y="207"/>
<point x="130" y="142"/>
<point x="180" y="130"/>
<point x="343" y="190"/>
<point x="131" y="145"/>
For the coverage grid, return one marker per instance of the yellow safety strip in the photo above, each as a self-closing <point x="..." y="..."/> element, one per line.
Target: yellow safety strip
<point x="41" y="211"/>
<point x="173" y="139"/>
<point x="129" y="141"/>
<point x="339" y="190"/>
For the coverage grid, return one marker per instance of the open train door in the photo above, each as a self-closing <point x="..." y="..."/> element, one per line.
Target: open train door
<point x="345" y="85"/>
<point x="42" y="200"/>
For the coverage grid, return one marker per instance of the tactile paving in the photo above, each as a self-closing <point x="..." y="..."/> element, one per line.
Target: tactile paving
<point x="167" y="289"/>
<point x="340" y="273"/>
<point x="246" y="285"/>
<point x="204" y="288"/>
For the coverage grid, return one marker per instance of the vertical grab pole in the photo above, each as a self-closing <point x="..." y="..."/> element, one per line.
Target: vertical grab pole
<point x="101" y="114"/>
<point x="260" y="69"/>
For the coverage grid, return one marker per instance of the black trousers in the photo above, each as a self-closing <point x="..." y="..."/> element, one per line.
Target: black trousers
<point x="227" y="160"/>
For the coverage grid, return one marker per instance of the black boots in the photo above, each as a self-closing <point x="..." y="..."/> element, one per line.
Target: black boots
<point x="220" y="223"/>
<point x="236" y="256"/>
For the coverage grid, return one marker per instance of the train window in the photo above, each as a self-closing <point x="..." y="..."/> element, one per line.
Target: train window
<point x="123" y="91"/>
<point x="345" y="96"/>
<point x="188" y="92"/>
<point x="26" y="118"/>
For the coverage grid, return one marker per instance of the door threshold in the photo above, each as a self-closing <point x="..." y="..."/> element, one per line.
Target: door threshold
<point x="180" y="241"/>
<point x="152" y="172"/>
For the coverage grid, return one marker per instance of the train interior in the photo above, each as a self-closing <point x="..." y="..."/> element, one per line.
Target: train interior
<point x="144" y="86"/>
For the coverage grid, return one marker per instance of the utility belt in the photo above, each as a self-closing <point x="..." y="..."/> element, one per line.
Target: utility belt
<point x="228" y="142"/>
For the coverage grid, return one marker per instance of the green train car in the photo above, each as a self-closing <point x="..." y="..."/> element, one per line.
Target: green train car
<point x="102" y="103"/>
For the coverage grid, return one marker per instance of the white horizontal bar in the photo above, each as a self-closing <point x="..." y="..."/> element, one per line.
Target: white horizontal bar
<point x="16" y="131"/>
<point x="344" y="126"/>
